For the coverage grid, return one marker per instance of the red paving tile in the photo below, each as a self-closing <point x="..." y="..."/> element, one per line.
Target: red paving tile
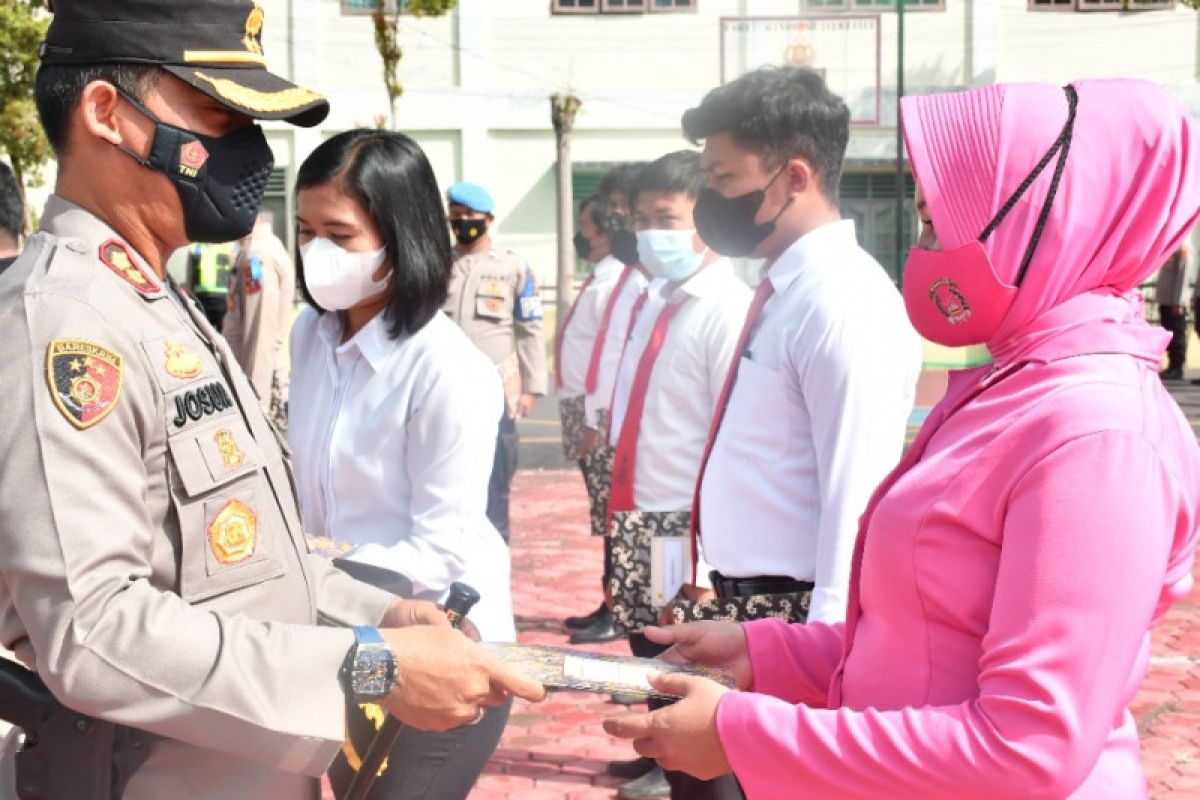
<point x="557" y="749"/>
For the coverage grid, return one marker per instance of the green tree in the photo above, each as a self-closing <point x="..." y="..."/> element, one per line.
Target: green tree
<point x="23" y="26"/>
<point x="387" y="38"/>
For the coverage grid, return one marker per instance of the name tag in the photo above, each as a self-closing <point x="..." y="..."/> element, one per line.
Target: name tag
<point x="196" y="404"/>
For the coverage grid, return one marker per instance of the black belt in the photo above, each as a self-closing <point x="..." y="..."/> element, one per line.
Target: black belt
<point x="762" y="584"/>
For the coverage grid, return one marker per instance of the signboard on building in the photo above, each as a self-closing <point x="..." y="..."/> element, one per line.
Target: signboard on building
<point x="844" y="48"/>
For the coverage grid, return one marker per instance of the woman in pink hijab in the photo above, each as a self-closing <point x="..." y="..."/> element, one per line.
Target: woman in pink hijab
<point x="1008" y="571"/>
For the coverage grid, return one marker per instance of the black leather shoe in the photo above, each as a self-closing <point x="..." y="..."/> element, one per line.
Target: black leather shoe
<point x="587" y="620"/>
<point x="635" y="768"/>
<point x="602" y="630"/>
<point x="650" y="786"/>
<point x="1172" y="374"/>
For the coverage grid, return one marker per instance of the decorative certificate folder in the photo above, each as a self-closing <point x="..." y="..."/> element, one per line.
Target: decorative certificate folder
<point x="563" y="668"/>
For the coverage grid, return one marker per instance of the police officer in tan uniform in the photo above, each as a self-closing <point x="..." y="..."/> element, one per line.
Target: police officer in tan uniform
<point x="261" y="291"/>
<point x="153" y="570"/>
<point x="494" y="298"/>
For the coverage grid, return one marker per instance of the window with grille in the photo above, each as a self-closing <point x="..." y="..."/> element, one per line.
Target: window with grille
<point x="869" y="198"/>
<point x="1100" y="5"/>
<point x="814" y="6"/>
<point x="620" y="6"/>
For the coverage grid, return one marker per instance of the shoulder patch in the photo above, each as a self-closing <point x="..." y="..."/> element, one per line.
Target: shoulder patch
<point x="85" y="380"/>
<point x="115" y="255"/>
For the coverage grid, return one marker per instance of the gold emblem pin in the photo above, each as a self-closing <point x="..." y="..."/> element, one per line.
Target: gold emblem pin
<point x="231" y="454"/>
<point x="233" y="533"/>
<point x="181" y="362"/>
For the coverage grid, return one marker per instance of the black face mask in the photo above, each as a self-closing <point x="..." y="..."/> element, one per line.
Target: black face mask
<point x="624" y="247"/>
<point x="583" y="247"/>
<point x="220" y="179"/>
<point x="726" y="224"/>
<point x="468" y="231"/>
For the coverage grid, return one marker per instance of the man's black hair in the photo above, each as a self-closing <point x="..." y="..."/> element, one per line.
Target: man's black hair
<point x="12" y="207"/>
<point x="389" y="175"/>
<point x="595" y="209"/>
<point x="59" y="87"/>
<point x="779" y="113"/>
<point x="679" y="171"/>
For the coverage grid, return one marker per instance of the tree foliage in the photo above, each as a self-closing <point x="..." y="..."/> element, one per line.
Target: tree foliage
<point x="23" y="26"/>
<point x="387" y="38"/>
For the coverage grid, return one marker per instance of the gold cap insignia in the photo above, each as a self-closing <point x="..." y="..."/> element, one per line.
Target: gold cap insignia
<point x="231" y="454"/>
<point x="254" y="25"/>
<point x="233" y="533"/>
<point x="85" y="380"/>
<point x="181" y="362"/>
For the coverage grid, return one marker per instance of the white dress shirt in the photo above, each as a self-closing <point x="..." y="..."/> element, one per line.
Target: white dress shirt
<point x="816" y="419"/>
<point x="580" y="332"/>
<point x="394" y="441"/>
<point x="614" y="343"/>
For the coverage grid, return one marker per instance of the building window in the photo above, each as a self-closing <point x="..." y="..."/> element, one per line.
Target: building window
<point x="1100" y="5"/>
<point x="620" y="6"/>
<point x="364" y="7"/>
<point x="869" y="198"/>
<point x="814" y="6"/>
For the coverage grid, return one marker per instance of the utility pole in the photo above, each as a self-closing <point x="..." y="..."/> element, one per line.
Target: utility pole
<point x="563" y="108"/>
<point x="899" y="140"/>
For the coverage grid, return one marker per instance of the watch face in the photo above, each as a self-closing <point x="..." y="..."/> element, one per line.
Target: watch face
<point x="374" y="668"/>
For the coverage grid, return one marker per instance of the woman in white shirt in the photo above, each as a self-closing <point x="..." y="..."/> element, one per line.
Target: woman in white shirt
<point x="393" y="417"/>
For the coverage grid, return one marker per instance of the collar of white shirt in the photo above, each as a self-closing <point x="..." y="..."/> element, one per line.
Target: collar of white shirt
<point x="607" y="268"/>
<point x="371" y="341"/>
<point x="810" y="248"/>
<point x="712" y="278"/>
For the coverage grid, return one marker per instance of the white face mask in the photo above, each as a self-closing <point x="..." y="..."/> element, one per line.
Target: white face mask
<point x="339" y="279"/>
<point x="668" y="254"/>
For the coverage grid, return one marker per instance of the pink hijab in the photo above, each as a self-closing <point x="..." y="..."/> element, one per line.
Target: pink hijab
<point x="1129" y="194"/>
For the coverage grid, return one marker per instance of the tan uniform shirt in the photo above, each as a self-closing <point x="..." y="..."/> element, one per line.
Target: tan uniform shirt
<point x="261" y="291"/>
<point x="152" y="565"/>
<point x="494" y="299"/>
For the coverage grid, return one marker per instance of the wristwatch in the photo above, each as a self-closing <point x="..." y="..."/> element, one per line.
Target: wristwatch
<point x="369" y="671"/>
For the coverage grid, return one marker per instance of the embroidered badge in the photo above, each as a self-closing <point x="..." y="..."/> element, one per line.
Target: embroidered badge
<point x="233" y="533"/>
<point x="252" y="272"/>
<point x="192" y="157"/>
<point x="231" y="454"/>
<point x="950" y="300"/>
<point x="85" y="380"/>
<point x="181" y="362"/>
<point x="254" y="25"/>
<point x="115" y="255"/>
<point x="494" y="305"/>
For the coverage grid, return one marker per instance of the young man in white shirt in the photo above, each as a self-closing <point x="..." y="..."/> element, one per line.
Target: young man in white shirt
<point x="577" y="356"/>
<point x="611" y="220"/>
<point x="668" y="383"/>
<point x="819" y="399"/>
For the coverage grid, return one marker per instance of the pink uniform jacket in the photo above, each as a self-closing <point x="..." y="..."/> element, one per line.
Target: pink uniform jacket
<point x="1008" y="571"/>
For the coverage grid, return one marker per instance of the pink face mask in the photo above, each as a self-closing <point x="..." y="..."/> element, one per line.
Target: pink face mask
<point x="954" y="297"/>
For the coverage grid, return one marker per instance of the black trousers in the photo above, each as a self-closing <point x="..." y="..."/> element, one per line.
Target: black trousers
<point x="684" y="786"/>
<point x="503" y="468"/>
<point x="1174" y="319"/>
<point x="214" y="305"/>
<point x="431" y="766"/>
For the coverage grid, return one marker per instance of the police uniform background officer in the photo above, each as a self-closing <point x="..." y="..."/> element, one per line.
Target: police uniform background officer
<point x="153" y="570"/>
<point x="494" y="298"/>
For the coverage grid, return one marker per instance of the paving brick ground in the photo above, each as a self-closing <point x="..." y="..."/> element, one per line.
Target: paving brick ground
<point x="557" y="749"/>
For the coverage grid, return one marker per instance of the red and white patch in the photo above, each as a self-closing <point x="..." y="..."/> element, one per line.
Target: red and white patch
<point x="193" y="155"/>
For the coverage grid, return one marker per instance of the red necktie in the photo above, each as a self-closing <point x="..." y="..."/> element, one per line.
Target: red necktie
<point x="598" y="345"/>
<point x="765" y="289"/>
<point x="620" y="496"/>
<point x="558" y="370"/>
<point x="633" y="315"/>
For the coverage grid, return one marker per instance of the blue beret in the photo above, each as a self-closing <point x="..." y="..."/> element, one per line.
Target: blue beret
<point x="471" y="195"/>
